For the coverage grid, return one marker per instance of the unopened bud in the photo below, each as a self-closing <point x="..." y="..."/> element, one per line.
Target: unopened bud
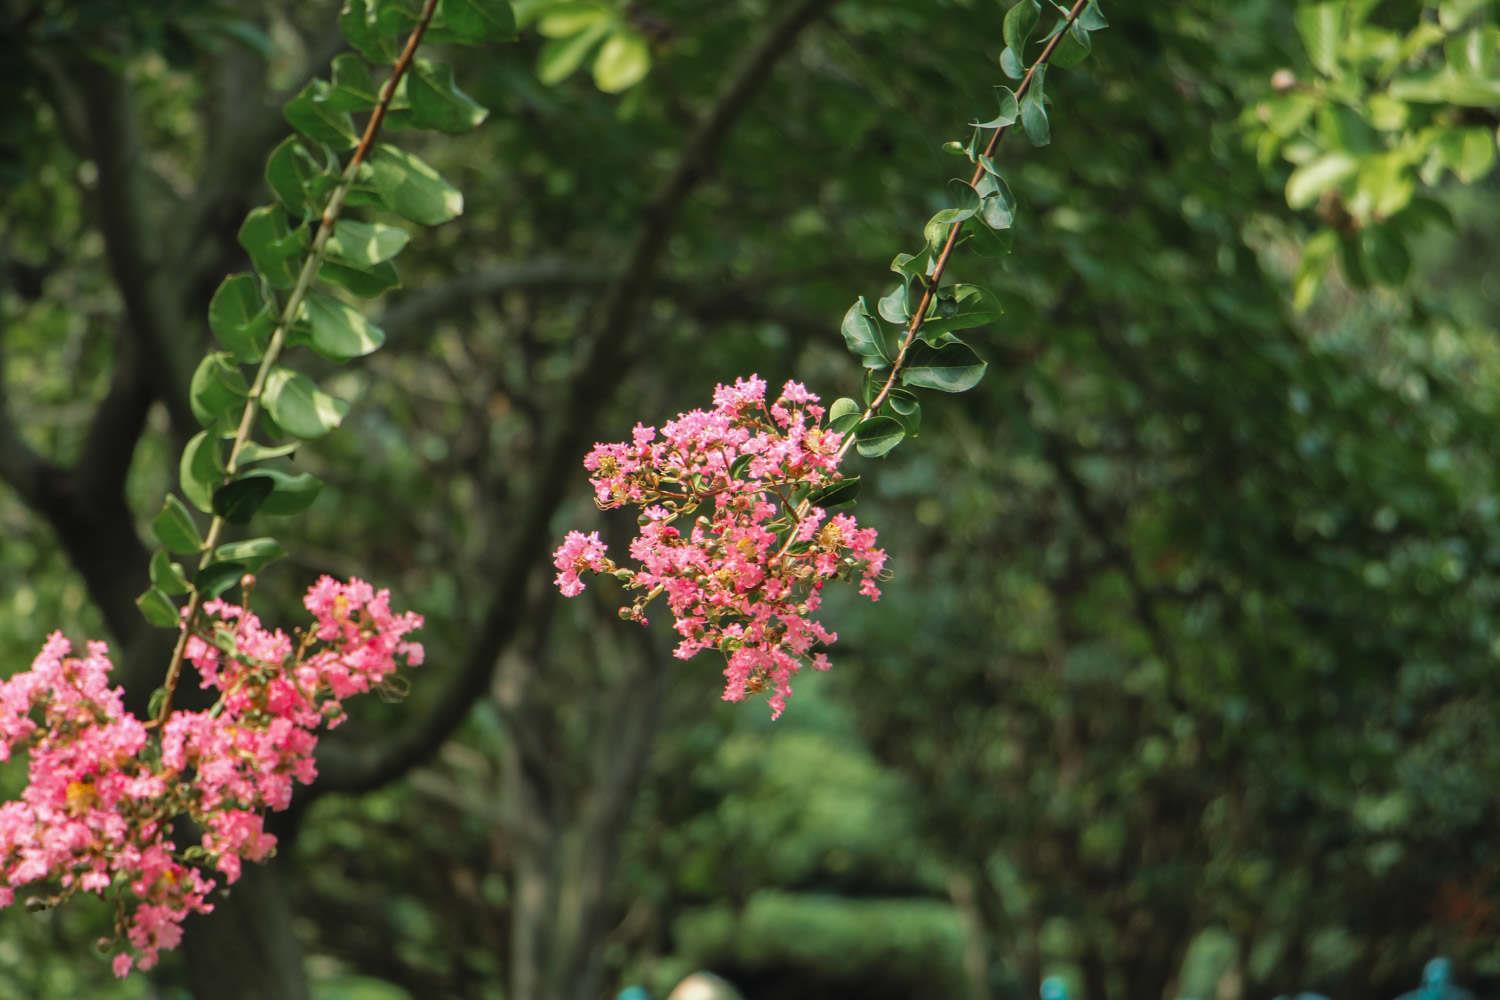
<point x="1283" y="80"/>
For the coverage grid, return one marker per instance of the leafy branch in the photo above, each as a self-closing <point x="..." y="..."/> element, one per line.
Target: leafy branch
<point x="909" y="340"/>
<point x="295" y="245"/>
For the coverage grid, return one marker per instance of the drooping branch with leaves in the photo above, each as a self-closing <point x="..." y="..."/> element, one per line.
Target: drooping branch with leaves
<point x="742" y="507"/>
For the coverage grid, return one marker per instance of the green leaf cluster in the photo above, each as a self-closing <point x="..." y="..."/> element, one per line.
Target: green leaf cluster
<point x="1379" y="119"/>
<point x="604" y="35"/>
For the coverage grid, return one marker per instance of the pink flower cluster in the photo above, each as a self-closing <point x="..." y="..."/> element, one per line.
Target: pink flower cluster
<point x="106" y="790"/>
<point x="732" y="532"/>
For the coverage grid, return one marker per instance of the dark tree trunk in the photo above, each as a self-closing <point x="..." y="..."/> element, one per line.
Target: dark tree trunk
<point x="245" y="949"/>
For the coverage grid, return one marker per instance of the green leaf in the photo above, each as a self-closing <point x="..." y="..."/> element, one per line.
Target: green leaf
<point x="251" y="452"/>
<point x="1311" y="179"/>
<point x="360" y="27"/>
<point x="954" y="367"/>
<point x="241" y="318"/>
<point x="217" y="392"/>
<point x="843" y="414"/>
<point x="964" y="202"/>
<point x="312" y="114"/>
<point x="200" y="470"/>
<point x="238" y="500"/>
<point x="274" y="247"/>
<point x="1010" y="110"/>
<point x="252" y="553"/>
<point x="166" y="575"/>
<point x="366" y="282"/>
<point x="293" y="494"/>
<point x="1019" y="23"/>
<point x="836" y="495"/>
<point x="363" y="244"/>
<point x="299" y="407"/>
<point x="960" y="307"/>
<point x="561" y="57"/>
<point x="438" y="103"/>
<point x="411" y="188"/>
<point x="1469" y="152"/>
<point x="175" y="529"/>
<point x="353" y="87"/>
<point x="912" y="266"/>
<point x="861" y="331"/>
<point x="896" y="305"/>
<point x="397" y="17"/>
<point x="740" y="466"/>
<point x="478" y="22"/>
<point x="1318" y="24"/>
<point x="623" y="61"/>
<point x="290" y="172"/>
<point x="906" y="409"/>
<point x="1010" y="64"/>
<point x="158" y="609"/>
<point x="987" y="242"/>
<point x="1385" y="186"/>
<point x="1034" y="119"/>
<point x="1447" y="88"/>
<point x="997" y="206"/>
<point x="1074" y="47"/>
<point x="878" y="435"/>
<point x="1092" y="17"/>
<point x="335" y="329"/>
<point x="568" y="17"/>
<point x="215" y="578"/>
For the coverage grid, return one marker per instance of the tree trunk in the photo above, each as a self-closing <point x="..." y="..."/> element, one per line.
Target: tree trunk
<point x="245" y="949"/>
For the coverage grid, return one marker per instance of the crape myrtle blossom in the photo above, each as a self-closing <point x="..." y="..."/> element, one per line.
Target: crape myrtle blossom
<point x="733" y="531"/>
<point x="106" y="791"/>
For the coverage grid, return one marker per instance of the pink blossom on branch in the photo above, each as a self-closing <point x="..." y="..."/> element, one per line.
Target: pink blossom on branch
<point x="731" y="532"/>
<point x="105" y="792"/>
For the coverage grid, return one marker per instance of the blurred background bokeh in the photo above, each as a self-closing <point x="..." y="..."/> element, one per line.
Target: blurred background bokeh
<point x="1187" y="681"/>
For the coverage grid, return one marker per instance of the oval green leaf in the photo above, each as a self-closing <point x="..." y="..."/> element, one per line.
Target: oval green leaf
<point x="294" y="492"/>
<point x="200" y="470"/>
<point x="241" y="318"/>
<point x="299" y="407"/>
<point x="166" y="575"/>
<point x="954" y="367"/>
<point x="158" y="608"/>
<point x="438" y="103"/>
<point x="174" y="528"/>
<point x="336" y="330"/>
<point x="410" y="188"/>
<point x="238" y="500"/>
<point x="252" y="553"/>
<point x="878" y="435"/>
